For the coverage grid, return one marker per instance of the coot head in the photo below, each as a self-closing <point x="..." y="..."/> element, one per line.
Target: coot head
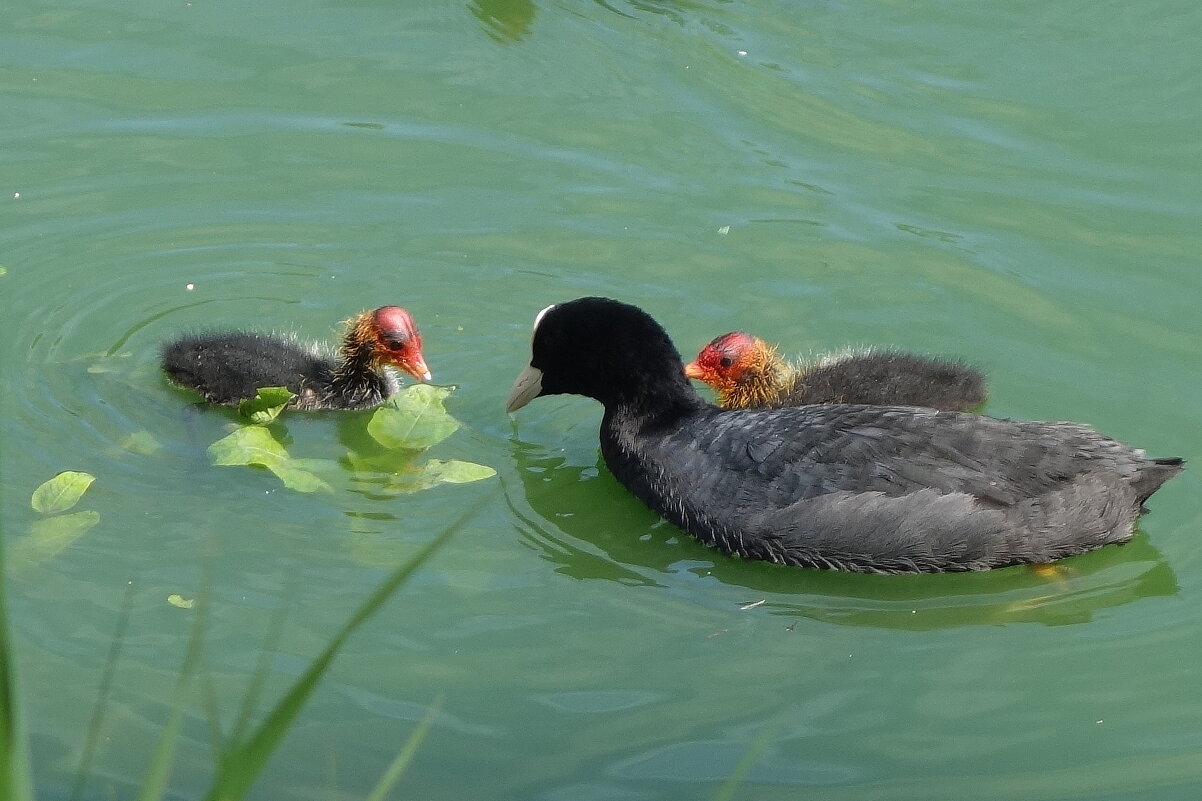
<point x="395" y="340"/>
<point x="603" y="349"/>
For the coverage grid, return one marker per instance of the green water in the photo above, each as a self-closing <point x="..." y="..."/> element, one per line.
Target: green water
<point x="1019" y="184"/>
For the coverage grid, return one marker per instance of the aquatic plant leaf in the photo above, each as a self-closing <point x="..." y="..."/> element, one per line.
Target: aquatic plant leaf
<point x="414" y="419"/>
<point x="248" y="445"/>
<point x="175" y="599"/>
<point x="50" y="535"/>
<point x="61" y="492"/>
<point x="266" y="405"/>
<point x="142" y="443"/>
<point x="435" y="472"/>
<point x="256" y="445"/>
<point x="390" y="462"/>
<point x="299" y="479"/>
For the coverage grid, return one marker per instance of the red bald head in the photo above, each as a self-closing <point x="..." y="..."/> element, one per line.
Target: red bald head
<point x="397" y="341"/>
<point x="722" y="362"/>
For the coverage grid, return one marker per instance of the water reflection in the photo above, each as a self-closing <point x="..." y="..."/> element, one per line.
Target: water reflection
<point x="558" y="493"/>
<point x="507" y="21"/>
<point x="590" y="528"/>
<point x="504" y="20"/>
<point x="672" y="9"/>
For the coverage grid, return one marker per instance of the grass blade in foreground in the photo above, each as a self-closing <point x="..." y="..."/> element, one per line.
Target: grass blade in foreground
<point x="14" y="760"/>
<point x="102" y="693"/>
<point x="239" y="766"/>
<point x="160" y="764"/>
<point x="400" y="763"/>
<point x="758" y="746"/>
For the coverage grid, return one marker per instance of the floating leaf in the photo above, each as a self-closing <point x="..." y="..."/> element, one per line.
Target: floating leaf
<point x="175" y="599"/>
<point x="383" y="462"/>
<point x="142" y="443"/>
<point x="61" y="492"/>
<point x="414" y="419"/>
<point x="49" y="536"/>
<point x="255" y="445"/>
<point x="299" y="479"/>
<point x="456" y="471"/>
<point x="3" y="271"/>
<point x="266" y="405"/>
<point x="435" y="472"/>
<point x="248" y="445"/>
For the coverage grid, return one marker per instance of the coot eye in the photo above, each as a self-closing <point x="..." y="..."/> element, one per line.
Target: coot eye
<point x="726" y="361"/>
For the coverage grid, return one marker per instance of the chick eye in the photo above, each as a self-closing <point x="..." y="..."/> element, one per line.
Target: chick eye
<point x="726" y="361"/>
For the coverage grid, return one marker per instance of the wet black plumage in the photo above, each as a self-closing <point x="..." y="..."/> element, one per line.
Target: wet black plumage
<point x="747" y="373"/>
<point x="890" y="378"/>
<point x="230" y="366"/>
<point x="849" y="487"/>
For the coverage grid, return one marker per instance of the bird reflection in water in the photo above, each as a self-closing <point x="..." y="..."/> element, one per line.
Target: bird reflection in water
<point x="504" y="21"/>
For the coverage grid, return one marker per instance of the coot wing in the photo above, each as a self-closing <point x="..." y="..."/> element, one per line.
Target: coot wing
<point x="792" y="454"/>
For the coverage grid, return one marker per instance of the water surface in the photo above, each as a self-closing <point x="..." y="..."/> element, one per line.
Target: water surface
<point x="1016" y="185"/>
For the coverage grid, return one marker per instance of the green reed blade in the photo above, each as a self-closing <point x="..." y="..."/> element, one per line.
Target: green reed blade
<point x="159" y="771"/>
<point x="400" y="763"/>
<point x="14" y="760"/>
<point x="238" y="767"/>
<point x="102" y="693"/>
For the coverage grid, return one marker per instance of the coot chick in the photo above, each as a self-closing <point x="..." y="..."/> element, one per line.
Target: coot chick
<point x="748" y="373"/>
<point x="229" y="367"/>
<point x="887" y="489"/>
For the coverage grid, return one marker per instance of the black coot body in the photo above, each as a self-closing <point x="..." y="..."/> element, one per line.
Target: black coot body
<point x="229" y="367"/>
<point x="848" y="487"/>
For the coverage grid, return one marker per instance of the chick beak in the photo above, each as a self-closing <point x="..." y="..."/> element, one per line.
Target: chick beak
<point x="416" y="367"/>
<point x="693" y="370"/>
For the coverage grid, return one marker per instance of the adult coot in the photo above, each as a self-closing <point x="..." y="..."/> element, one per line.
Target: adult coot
<point x="228" y="367"/>
<point x="886" y="489"/>
<point x="748" y="373"/>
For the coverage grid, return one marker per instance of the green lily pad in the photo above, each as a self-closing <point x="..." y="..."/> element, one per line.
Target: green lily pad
<point x="61" y="492"/>
<point x="414" y="419"/>
<point x="49" y="536"/>
<point x="266" y="405"/>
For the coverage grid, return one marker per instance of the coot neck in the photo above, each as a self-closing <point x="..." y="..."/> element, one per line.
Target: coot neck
<point x="652" y="406"/>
